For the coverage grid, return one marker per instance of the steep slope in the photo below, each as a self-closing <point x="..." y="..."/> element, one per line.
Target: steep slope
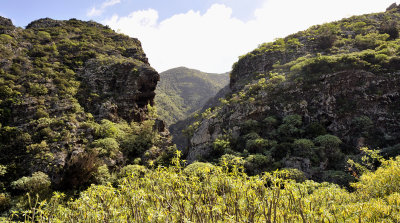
<point x="74" y="96"/>
<point x="182" y="91"/>
<point x="310" y="100"/>
<point x="179" y="129"/>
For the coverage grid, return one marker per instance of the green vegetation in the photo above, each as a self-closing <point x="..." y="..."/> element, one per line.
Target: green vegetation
<point x="205" y="193"/>
<point x="182" y="91"/>
<point x="58" y="130"/>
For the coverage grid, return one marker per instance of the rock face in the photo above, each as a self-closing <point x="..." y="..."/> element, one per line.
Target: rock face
<point x="325" y="83"/>
<point x="394" y="7"/>
<point x="124" y="90"/>
<point x="74" y="95"/>
<point x="334" y="100"/>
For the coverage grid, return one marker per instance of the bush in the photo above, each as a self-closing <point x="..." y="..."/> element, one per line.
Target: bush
<point x="326" y="41"/>
<point x="41" y="113"/>
<point x="107" y="129"/>
<point x="270" y="121"/>
<point x="259" y="145"/>
<point x="290" y="126"/>
<point x="169" y="195"/>
<point x="258" y="163"/>
<point x="328" y="141"/>
<point x="231" y="162"/>
<point x="384" y="181"/>
<point x="43" y="36"/>
<point x="37" y="89"/>
<point x="315" y="129"/>
<point x="103" y="176"/>
<point x="250" y="125"/>
<point x="38" y="147"/>
<point x="199" y="169"/>
<point x="330" y="149"/>
<point x="106" y="147"/>
<point x="220" y="146"/>
<point x="392" y="151"/>
<point x="291" y="174"/>
<point x="38" y="183"/>
<point x="303" y="147"/>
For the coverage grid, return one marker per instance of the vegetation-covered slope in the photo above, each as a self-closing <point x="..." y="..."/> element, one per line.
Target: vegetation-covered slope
<point x="74" y="105"/>
<point x="182" y="91"/>
<point x="310" y="100"/>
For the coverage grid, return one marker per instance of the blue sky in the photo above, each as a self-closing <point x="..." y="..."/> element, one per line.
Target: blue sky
<point x="208" y="35"/>
<point x="24" y="11"/>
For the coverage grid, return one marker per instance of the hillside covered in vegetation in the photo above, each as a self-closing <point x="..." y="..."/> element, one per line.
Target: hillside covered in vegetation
<point x="182" y="91"/>
<point x="310" y="101"/>
<point x="75" y="107"/>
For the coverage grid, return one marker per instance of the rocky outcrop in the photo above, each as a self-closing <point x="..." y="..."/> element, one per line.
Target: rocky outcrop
<point x="122" y="90"/>
<point x="393" y="7"/>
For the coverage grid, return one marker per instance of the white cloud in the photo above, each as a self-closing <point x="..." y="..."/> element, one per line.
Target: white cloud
<point x="98" y="11"/>
<point x="213" y="41"/>
<point x="110" y="3"/>
<point x="94" y="12"/>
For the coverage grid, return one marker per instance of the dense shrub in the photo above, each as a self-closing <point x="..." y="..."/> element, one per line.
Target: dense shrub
<point x="103" y="176"/>
<point x="291" y="174"/>
<point x="199" y="169"/>
<point x="303" y="147"/>
<point x="258" y="163"/>
<point x="106" y="147"/>
<point x="290" y="126"/>
<point x="330" y="150"/>
<point x="38" y="183"/>
<point x="259" y="145"/>
<point x="220" y="146"/>
<point x="383" y="182"/>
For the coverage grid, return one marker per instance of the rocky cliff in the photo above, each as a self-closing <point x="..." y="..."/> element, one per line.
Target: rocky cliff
<point x="74" y="96"/>
<point x="310" y="100"/>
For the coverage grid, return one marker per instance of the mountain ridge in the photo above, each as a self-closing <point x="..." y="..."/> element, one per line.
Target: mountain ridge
<point x="188" y="89"/>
